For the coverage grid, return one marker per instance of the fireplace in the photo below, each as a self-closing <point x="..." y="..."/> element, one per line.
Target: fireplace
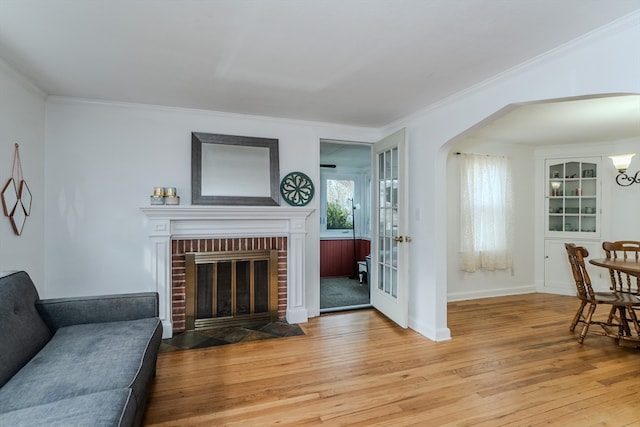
<point x="231" y="288"/>
<point x="174" y="231"/>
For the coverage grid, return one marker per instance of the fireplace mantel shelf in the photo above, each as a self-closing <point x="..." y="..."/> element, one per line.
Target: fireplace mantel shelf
<point x="225" y="212"/>
<point x="183" y="222"/>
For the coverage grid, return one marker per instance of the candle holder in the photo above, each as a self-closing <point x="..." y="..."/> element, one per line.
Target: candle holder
<point x="157" y="200"/>
<point x="164" y="196"/>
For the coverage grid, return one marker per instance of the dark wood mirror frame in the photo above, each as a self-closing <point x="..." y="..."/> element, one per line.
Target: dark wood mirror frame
<point x="270" y="198"/>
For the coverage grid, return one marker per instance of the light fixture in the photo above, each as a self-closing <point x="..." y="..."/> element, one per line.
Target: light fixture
<point x="621" y="163"/>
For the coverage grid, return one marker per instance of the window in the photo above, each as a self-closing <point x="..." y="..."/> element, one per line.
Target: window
<point x="340" y="203"/>
<point x="340" y="193"/>
<point x="486" y="212"/>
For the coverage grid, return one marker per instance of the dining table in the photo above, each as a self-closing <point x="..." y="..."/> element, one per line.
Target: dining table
<point x="630" y="266"/>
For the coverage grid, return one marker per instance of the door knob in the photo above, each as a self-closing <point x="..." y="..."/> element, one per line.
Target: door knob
<point x="401" y="239"/>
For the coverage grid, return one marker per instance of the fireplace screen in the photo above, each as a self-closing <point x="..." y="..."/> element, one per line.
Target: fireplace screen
<point x="231" y="288"/>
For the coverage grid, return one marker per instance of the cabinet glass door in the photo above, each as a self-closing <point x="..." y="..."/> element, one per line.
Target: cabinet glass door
<point x="573" y="196"/>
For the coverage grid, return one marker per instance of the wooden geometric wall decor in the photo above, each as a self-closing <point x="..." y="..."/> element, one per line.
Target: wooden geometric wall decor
<point x="9" y="197"/>
<point x="18" y="217"/>
<point x="16" y="198"/>
<point x="24" y="194"/>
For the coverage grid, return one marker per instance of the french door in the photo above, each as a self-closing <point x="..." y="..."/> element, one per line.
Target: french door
<point x="390" y="242"/>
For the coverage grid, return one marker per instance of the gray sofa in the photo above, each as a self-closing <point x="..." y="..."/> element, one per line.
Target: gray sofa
<point x="75" y="361"/>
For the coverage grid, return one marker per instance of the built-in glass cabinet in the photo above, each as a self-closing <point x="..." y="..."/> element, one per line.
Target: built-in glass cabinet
<point x="573" y="197"/>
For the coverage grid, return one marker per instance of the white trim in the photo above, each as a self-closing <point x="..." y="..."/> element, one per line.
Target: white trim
<point x="317" y="125"/>
<point x="22" y="79"/>
<point x="470" y="295"/>
<point x="442" y="334"/>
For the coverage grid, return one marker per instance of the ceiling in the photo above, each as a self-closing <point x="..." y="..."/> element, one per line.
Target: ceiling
<point x="584" y="120"/>
<point x="364" y="63"/>
<point x="345" y="155"/>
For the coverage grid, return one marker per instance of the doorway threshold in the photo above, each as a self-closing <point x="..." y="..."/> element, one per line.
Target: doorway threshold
<point x="345" y="308"/>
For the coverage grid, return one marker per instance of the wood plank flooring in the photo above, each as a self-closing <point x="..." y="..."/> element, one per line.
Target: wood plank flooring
<point x="512" y="362"/>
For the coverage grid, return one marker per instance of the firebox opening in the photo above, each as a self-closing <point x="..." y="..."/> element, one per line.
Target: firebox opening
<point x="231" y="288"/>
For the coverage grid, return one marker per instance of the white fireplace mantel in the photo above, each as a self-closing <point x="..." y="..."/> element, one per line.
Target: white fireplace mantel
<point x="165" y="223"/>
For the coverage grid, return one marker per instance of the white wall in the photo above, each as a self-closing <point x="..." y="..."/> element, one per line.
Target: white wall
<point x="621" y="204"/>
<point x="22" y="118"/>
<point x="103" y="160"/>
<point x="606" y="61"/>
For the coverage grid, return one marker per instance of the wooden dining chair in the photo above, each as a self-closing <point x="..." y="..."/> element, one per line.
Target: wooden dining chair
<point x="625" y="250"/>
<point x="616" y="326"/>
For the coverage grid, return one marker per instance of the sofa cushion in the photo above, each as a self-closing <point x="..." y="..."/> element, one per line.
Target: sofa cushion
<point x="85" y="359"/>
<point x="107" y="408"/>
<point x="22" y="331"/>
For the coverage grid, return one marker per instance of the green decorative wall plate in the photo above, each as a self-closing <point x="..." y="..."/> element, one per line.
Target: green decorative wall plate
<point x="297" y="189"/>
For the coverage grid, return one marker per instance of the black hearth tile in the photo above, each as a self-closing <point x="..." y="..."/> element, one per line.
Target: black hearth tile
<point x="256" y="326"/>
<point x="235" y="334"/>
<point x="229" y="335"/>
<point x="250" y="335"/>
<point x="221" y="333"/>
<point x="281" y="329"/>
<point x="188" y="339"/>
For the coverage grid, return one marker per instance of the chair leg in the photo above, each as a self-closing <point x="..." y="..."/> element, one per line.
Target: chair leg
<point x="634" y="320"/>
<point x="578" y="315"/>
<point x="612" y="315"/>
<point x="587" y="322"/>
<point x="624" y="322"/>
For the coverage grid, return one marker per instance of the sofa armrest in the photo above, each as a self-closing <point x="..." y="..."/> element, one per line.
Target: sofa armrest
<point x="60" y="312"/>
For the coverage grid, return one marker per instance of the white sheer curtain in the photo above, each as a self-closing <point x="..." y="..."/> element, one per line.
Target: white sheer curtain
<point x="486" y="212"/>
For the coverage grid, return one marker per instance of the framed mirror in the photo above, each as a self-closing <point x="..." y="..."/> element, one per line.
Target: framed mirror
<point x="234" y="170"/>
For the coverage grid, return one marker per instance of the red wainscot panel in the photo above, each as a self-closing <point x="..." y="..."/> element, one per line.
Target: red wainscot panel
<point x="336" y="256"/>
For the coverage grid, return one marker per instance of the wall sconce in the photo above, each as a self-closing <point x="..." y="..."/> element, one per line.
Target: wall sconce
<point x="621" y="163"/>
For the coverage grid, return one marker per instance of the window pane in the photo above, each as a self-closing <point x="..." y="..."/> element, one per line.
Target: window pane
<point x="387" y="280"/>
<point x="394" y="253"/>
<point x="394" y="283"/>
<point x="388" y="166"/>
<point x="394" y="161"/>
<point x="339" y="204"/>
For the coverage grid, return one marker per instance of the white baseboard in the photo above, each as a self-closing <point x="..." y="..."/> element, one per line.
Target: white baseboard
<point x="442" y="334"/>
<point x="462" y="296"/>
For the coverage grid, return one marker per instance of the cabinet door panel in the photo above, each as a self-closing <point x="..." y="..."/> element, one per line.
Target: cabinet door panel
<point x="558" y="278"/>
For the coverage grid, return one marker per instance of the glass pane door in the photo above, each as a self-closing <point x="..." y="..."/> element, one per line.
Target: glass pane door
<point x="388" y="222"/>
<point x="389" y="254"/>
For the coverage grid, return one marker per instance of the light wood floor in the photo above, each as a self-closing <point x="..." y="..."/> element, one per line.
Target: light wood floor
<point x="512" y="362"/>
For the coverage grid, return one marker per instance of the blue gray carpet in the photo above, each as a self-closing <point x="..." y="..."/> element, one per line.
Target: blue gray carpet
<point x="342" y="292"/>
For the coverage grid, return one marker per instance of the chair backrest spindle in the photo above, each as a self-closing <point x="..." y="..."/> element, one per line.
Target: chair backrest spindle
<point x="625" y="250"/>
<point x="576" y="255"/>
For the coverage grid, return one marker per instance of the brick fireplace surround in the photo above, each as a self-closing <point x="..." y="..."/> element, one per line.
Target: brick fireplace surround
<point x="178" y="267"/>
<point x="174" y="230"/>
